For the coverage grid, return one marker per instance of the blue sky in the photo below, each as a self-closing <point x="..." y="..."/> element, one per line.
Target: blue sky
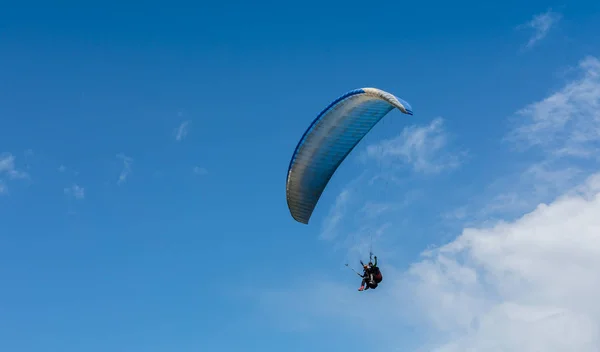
<point x="145" y="149"/>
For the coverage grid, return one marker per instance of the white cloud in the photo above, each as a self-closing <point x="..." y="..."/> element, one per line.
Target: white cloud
<point x="182" y="131"/>
<point x="63" y="169"/>
<point x="522" y="191"/>
<point x="374" y="209"/>
<point x="75" y="191"/>
<point x="567" y="123"/>
<point x="200" y="170"/>
<point x="8" y="168"/>
<point x="9" y="171"/>
<point x="421" y="147"/>
<point x="127" y="161"/>
<point x="527" y="285"/>
<point x="515" y="286"/>
<point x="563" y="130"/>
<point x="541" y="25"/>
<point x="336" y="214"/>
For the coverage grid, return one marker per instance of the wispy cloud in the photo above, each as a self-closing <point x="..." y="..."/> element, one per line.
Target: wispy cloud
<point x="567" y="123"/>
<point x="523" y="191"/>
<point x="182" y="131"/>
<point x="541" y="24"/>
<point x="75" y="191"/>
<point x="63" y="169"/>
<point x="420" y="147"/>
<point x="9" y="171"/>
<point x="200" y="170"/>
<point x="127" y="162"/>
<point x="563" y="131"/>
<point x="336" y="214"/>
<point x="373" y="209"/>
<point x="7" y="167"/>
<point x="456" y="214"/>
<point x="550" y="179"/>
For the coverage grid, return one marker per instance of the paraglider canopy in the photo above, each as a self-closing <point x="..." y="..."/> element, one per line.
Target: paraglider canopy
<point x="328" y="141"/>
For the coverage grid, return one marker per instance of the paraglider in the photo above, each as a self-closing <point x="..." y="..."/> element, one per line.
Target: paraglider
<point x="328" y="141"/>
<point x="371" y="276"/>
<point x="323" y="147"/>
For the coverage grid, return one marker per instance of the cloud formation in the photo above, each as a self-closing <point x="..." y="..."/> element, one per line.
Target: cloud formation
<point x="420" y="147"/>
<point x="560" y="135"/>
<point x="9" y="171"/>
<point x="127" y="161"/>
<point x="567" y="123"/>
<point x="8" y="168"/>
<point x="336" y="214"/>
<point x="75" y="191"/>
<point x="528" y="285"/>
<point x="541" y="24"/>
<point x="182" y="131"/>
